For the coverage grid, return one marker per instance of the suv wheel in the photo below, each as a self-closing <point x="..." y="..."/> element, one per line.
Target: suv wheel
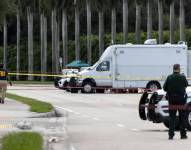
<point x="153" y="86"/>
<point x="87" y="88"/>
<point x="188" y="120"/>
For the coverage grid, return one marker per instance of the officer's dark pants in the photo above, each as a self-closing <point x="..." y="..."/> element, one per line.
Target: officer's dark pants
<point x="177" y="103"/>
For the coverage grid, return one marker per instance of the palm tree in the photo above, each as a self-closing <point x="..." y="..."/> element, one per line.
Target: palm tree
<point x="100" y="6"/>
<point x="77" y="29"/>
<point x="160" y="18"/>
<point x="55" y="5"/>
<point x="172" y="22"/>
<point x="149" y="19"/>
<point x="6" y="7"/>
<point x="18" y="36"/>
<point x="66" y="5"/>
<point x="43" y="37"/>
<point x="30" y="41"/>
<point x="125" y="21"/>
<point x="30" y="8"/>
<point x="5" y="42"/>
<point x="138" y="22"/>
<point x="89" y="31"/>
<point x="114" y="5"/>
<point x="182" y="21"/>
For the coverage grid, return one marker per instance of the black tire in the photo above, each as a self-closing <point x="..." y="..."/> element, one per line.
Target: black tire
<point x="100" y="90"/>
<point x="88" y="87"/>
<point x="166" y="124"/>
<point x="56" y="81"/>
<point x="188" y="119"/>
<point x="143" y="101"/>
<point x="153" y="86"/>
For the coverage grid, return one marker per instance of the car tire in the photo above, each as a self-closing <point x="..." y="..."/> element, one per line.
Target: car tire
<point x="166" y="124"/>
<point x="153" y="86"/>
<point x="88" y="87"/>
<point x="56" y="81"/>
<point x="188" y="119"/>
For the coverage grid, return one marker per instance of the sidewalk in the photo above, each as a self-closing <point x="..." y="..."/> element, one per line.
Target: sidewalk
<point x="13" y="113"/>
<point x="14" y="109"/>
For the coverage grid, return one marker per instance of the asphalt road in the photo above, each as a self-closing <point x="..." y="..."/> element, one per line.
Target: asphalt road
<point x="105" y="121"/>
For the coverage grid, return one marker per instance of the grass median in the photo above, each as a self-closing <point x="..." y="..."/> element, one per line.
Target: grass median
<point x="22" y="141"/>
<point x="35" y="105"/>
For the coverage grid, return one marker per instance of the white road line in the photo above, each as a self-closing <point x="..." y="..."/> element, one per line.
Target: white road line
<point x="135" y="130"/>
<point x="72" y="148"/>
<point x="85" y="116"/>
<point x="66" y="109"/>
<point x="120" y="125"/>
<point x="77" y="113"/>
<point x="95" y="118"/>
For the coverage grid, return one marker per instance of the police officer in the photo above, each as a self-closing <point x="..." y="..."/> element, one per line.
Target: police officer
<point x="3" y="82"/>
<point x="175" y="86"/>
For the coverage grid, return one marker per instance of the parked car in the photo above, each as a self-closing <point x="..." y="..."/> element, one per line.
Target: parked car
<point x="62" y="82"/>
<point x="154" y="107"/>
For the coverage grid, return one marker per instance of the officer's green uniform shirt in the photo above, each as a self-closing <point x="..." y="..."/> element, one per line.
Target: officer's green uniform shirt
<point x="3" y="74"/>
<point x="175" y="84"/>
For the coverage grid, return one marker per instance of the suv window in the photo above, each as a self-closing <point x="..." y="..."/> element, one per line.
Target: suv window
<point x="104" y="66"/>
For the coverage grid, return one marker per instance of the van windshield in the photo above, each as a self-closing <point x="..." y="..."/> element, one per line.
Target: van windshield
<point x="92" y="67"/>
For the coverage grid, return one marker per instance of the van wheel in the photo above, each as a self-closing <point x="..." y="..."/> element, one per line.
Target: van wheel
<point x="87" y="87"/>
<point x="153" y="86"/>
<point x="188" y="119"/>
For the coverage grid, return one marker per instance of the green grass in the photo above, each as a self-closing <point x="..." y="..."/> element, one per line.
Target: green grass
<point x="22" y="141"/>
<point x="35" y="105"/>
<point x="33" y="82"/>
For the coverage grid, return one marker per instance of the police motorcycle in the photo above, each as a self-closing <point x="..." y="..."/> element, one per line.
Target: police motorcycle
<point x="154" y="107"/>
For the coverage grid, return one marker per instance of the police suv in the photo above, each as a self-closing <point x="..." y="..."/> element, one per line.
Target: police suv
<point x="154" y="107"/>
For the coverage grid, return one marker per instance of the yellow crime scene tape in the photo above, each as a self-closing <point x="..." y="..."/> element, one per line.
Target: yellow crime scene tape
<point x="130" y="78"/>
<point x="6" y="126"/>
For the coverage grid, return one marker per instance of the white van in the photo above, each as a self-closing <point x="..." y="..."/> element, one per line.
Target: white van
<point x="134" y="66"/>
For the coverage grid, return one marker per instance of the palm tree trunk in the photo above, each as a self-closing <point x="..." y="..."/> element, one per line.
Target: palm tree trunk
<point x="149" y="19"/>
<point x="172" y="22"/>
<point x="182" y="21"/>
<point x="30" y="43"/>
<point x="53" y="24"/>
<point x="160" y="25"/>
<point x="5" y="42"/>
<point x="101" y="32"/>
<point x="125" y="21"/>
<point x="57" y="46"/>
<point x="45" y="46"/>
<point x="43" y="26"/>
<point x="18" y="42"/>
<point x="138" y="24"/>
<point x="77" y="33"/>
<point x="89" y="32"/>
<point x="65" y="36"/>
<point x="41" y="43"/>
<point x="113" y="26"/>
